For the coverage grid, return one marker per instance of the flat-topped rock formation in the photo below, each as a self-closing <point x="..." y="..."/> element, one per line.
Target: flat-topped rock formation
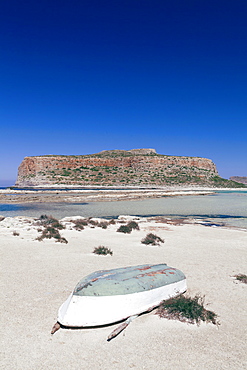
<point x="137" y="167"/>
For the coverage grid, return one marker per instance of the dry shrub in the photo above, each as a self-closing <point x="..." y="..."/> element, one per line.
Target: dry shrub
<point x="102" y="250"/>
<point x="152" y="239"/>
<point x="187" y="309"/>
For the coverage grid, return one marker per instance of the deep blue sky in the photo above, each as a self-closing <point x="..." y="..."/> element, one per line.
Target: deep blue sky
<point x="81" y="76"/>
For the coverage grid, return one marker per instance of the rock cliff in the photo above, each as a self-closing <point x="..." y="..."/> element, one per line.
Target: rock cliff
<point x="116" y="167"/>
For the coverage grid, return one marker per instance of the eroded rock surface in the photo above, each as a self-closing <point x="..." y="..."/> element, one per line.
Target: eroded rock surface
<point x="116" y="167"/>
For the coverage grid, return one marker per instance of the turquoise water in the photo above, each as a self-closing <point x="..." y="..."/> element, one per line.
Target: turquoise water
<point x="225" y="207"/>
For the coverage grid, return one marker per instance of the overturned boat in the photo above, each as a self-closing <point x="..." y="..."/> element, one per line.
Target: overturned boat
<point x="108" y="296"/>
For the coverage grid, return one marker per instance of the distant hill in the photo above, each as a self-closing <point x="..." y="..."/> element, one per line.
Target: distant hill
<point x="136" y="167"/>
<point x="239" y="179"/>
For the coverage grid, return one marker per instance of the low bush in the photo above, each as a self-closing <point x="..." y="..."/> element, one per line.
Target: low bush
<point x="133" y="225"/>
<point x="112" y="222"/>
<point x="103" y="224"/>
<point x="51" y="232"/>
<point x="51" y="227"/>
<point x="79" y="224"/>
<point x="126" y="229"/>
<point x="242" y="278"/>
<point x="50" y="221"/>
<point x="152" y="239"/>
<point x="92" y="222"/>
<point x="103" y="250"/>
<point x="187" y="309"/>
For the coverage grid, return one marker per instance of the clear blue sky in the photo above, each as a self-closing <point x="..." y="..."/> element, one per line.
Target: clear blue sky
<point x="81" y="76"/>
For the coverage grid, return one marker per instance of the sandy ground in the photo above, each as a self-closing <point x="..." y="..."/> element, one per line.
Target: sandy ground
<point x="36" y="277"/>
<point x="74" y="196"/>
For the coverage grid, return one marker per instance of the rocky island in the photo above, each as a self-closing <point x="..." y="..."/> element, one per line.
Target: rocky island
<point x="136" y="167"/>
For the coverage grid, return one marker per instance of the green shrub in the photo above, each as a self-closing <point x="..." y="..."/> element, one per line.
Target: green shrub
<point x="242" y="278"/>
<point x="186" y="309"/>
<point x="103" y="250"/>
<point x="152" y="239"/>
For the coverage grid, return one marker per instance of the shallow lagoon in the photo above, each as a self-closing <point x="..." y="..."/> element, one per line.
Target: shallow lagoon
<point x="223" y="206"/>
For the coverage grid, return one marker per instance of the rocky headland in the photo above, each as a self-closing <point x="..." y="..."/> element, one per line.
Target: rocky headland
<point x="137" y="167"/>
<point x="239" y="179"/>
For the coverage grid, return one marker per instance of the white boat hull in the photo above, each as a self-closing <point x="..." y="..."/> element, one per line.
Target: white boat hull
<point x="86" y="311"/>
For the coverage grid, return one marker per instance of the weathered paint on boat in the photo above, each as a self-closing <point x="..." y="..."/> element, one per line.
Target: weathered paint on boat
<point x="108" y="296"/>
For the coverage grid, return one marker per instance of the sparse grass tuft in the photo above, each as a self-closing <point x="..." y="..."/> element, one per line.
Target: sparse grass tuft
<point x="152" y="239"/>
<point x="102" y="250"/>
<point x="241" y="277"/>
<point x="187" y="309"/>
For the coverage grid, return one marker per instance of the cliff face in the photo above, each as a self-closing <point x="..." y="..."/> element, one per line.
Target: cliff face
<point x="116" y="167"/>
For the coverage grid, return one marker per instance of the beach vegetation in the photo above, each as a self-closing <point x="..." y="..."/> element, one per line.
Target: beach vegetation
<point x="187" y="309"/>
<point x="241" y="277"/>
<point x="103" y="224"/>
<point x="51" y="227"/>
<point x="79" y="224"/>
<point x="92" y="222"/>
<point x="112" y="222"/>
<point x="51" y="232"/>
<point x="126" y="229"/>
<point x="152" y="239"/>
<point x="15" y="233"/>
<point x="133" y="225"/>
<point x="102" y="250"/>
<point x="45" y="220"/>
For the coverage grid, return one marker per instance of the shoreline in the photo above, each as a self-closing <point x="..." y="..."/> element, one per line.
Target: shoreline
<point x="10" y="196"/>
<point x="39" y="275"/>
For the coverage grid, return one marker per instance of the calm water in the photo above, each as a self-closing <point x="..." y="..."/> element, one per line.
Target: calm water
<point x="227" y="207"/>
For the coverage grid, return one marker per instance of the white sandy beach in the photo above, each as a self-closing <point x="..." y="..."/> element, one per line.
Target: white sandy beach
<point x="37" y="277"/>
